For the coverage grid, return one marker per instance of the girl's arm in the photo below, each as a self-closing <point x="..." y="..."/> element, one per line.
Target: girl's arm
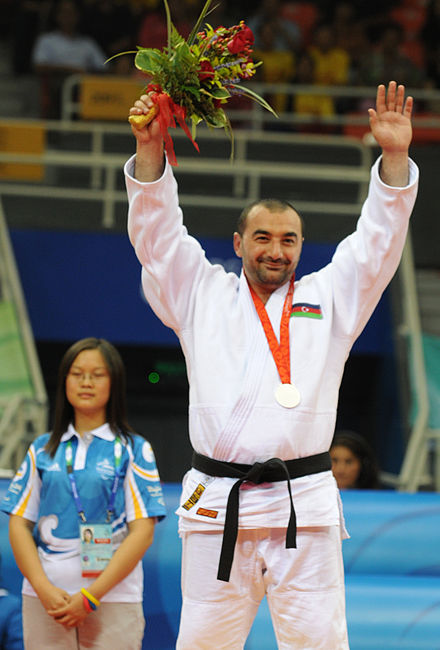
<point x="139" y="539"/>
<point x="26" y="556"/>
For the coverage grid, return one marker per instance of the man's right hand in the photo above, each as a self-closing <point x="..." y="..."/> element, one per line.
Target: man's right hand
<point x="150" y="160"/>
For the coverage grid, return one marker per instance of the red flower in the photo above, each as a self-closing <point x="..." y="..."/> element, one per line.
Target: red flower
<point x="241" y="41"/>
<point x="206" y="70"/>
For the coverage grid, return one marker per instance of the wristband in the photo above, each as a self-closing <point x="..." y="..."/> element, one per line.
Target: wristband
<point x="93" y="602"/>
<point x="86" y="604"/>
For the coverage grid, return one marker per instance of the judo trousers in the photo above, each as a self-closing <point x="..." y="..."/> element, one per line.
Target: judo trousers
<point x="304" y="588"/>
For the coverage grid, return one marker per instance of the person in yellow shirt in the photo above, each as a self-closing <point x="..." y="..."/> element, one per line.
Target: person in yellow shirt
<point x="278" y="65"/>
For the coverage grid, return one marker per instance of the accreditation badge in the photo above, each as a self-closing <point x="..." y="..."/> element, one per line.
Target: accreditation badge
<point x="96" y="548"/>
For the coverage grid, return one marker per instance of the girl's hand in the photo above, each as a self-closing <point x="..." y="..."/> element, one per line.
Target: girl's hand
<point x="53" y="598"/>
<point x="72" y="613"/>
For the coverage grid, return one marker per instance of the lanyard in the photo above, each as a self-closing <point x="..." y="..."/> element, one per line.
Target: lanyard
<point x="280" y="351"/>
<point x="71" y="475"/>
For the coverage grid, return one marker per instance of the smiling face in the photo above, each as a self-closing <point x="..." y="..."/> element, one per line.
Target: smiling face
<point x="270" y="247"/>
<point x="88" y="386"/>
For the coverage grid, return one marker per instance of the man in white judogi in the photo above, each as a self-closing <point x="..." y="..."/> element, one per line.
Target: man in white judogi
<point x="265" y="357"/>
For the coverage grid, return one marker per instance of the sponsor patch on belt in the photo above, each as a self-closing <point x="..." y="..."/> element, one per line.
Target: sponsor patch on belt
<point x="306" y="310"/>
<point x="207" y="513"/>
<point x="195" y="496"/>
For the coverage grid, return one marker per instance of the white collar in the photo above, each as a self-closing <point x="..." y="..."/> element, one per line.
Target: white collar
<point x="104" y="432"/>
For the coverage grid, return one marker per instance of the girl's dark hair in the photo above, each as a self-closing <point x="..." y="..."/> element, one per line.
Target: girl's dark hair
<point x="273" y="205"/>
<point x="369" y="475"/>
<point x="116" y="406"/>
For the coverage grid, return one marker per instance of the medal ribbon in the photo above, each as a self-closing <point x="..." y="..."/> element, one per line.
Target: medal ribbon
<point x="71" y="475"/>
<point x="280" y="351"/>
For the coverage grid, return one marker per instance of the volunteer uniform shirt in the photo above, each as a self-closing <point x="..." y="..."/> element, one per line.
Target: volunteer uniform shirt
<point x="233" y="414"/>
<point x="41" y="492"/>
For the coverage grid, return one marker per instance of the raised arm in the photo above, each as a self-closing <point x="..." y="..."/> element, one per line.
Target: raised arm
<point x="390" y="125"/>
<point x="149" y="164"/>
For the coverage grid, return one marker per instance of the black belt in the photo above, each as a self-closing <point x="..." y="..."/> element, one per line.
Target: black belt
<point x="270" y="471"/>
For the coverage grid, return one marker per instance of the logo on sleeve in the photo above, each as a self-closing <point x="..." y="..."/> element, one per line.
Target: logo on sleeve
<point x="306" y="310"/>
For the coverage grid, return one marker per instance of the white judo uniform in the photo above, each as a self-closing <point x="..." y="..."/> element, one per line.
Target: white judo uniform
<point x="233" y="415"/>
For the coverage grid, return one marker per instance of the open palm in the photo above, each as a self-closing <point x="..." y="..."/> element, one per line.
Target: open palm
<point x="390" y="123"/>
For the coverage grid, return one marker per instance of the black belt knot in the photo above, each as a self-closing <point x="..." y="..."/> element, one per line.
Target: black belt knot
<point x="272" y="470"/>
<point x="258" y="471"/>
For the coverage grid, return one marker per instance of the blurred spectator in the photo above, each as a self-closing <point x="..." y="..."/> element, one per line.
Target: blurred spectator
<point x="11" y="626"/>
<point x="62" y="52"/>
<point x="360" y="52"/>
<point x="311" y="104"/>
<point x="389" y="62"/>
<point x="303" y="14"/>
<point x="278" y="65"/>
<point x="342" y="18"/>
<point x="110" y="23"/>
<point x="153" y="28"/>
<point x="29" y="19"/>
<point x="331" y="62"/>
<point x="430" y="34"/>
<point x="410" y="15"/>
<point x="354" y="465"/>
<point x="287" y="33"/>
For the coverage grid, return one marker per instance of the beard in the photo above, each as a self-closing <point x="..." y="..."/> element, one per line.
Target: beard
<point x="273" y="277"/>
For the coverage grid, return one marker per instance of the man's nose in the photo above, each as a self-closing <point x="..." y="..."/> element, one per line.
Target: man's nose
<point x="275" y="249"/>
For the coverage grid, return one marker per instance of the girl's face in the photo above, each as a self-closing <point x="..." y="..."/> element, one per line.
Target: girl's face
<point x="346" y="467"/>
<point x="88" y="385"/>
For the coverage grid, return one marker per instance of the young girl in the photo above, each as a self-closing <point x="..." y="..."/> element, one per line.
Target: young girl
<point x="354" y="465"/>
<point x="91" y="474"/>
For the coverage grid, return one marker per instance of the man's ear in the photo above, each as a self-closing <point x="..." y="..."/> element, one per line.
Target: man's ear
<point x="237" y="244"/>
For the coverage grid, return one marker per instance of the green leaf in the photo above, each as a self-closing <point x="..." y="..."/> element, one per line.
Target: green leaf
<point x="220" y="93"/>
<point x="169" y="24"/>
<point x="260" y="100"/>
<point x="182" y="55"/>
<point x="149" y="60"/>
<point x="195" y="30"/>
<point x="218" y="120"/>
<point x="120" y="54"/>
<point x="191" y="89"/>
<point x="175" y="39"/>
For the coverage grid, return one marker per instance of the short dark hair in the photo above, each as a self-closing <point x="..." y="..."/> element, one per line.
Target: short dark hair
<point x="359" y="446"/>
<point x="273" y="205"/>
<point x="116" y="406"/>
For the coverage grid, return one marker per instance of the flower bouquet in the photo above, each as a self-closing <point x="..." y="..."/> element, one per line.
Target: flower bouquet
<point x="192" y="80"/>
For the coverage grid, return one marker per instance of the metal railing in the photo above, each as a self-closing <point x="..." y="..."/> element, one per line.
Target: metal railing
<point x="421" y="463"/>
<point x="21" y="416"/>
<point x="245" y="174"/>
<point x="257" y="117"/>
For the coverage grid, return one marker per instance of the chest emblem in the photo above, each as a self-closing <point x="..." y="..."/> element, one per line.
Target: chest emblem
<point x="306" y="310"/>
